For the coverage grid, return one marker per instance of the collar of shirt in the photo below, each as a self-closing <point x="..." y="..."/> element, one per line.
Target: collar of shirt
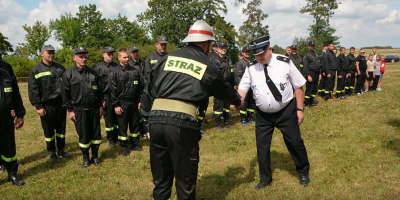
<point x="80" y="70"/>
<point x="46" y="64"/>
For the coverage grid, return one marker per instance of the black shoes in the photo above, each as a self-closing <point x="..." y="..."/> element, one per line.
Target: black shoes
<point x="262" y="184"/>
<point x="13" y="177"/>
<point x="125" y="151"/>
<point x="228" y="126"/>
<point x="136" y="148"/>
<point x="53" y="156"/>
<point x="308" y="106"/>
<point x="304" y="180"/>
<point x="219" y="128"/>
<point x="96" y="161"/>
<point x="62" y="153"/>
<point x="202" y="131"/>
<point x="86" y="161"/>
<point x="111" y="144"/>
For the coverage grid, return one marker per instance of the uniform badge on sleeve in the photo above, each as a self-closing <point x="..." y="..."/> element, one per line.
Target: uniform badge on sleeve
<point x="282" y="87"/>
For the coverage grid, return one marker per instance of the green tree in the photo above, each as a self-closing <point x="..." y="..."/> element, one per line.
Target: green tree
<point x="5" y="46"/>
<point x="35" y="38"/>
<point x="253" y="27"/>
<point x="302" y="44"/>
<point x="322" y="11"/>
<point x="122" y="30"/>
<point x="67" y="30"/>
<point x="279" y="50"/>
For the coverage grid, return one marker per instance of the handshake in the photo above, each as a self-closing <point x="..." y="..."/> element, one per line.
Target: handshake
<point x="241" y="103"/>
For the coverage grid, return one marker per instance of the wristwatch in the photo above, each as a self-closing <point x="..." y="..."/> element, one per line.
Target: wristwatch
<point x="300" y="109"/>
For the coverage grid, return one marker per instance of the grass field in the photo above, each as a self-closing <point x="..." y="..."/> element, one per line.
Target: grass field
<point x="379" y="51"/>
<point x="353" y="147"/>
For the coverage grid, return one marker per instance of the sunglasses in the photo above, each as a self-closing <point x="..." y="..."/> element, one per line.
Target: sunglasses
<point x="362" y="52"/>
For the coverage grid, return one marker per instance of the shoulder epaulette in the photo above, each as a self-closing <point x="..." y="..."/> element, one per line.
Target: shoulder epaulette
<point x="254" y="62"/>
<point x="283" y="58"/>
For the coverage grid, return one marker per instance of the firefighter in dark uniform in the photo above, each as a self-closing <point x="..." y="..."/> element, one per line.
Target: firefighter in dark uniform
<point x="312" y="71"/>
<point x="342" y="73"/>
<point x="44" y="88"/>
<point x="11" y="106"/>
<point x="110" y="118"/>
<point x="125" y="83"/>
<point x="82" y="95"/>
<point x="273" y="78"/>
<point x="296" y="59"/>
<point x="138" y="63"/>
<point x="246" y="111"/>
<point x="331" y="67"/>
<point x="351" y="78"/>
<point x="221" y="108"/>
<point x="178" y="83"/>
<point x="321" y="85"/>
<point x="161" y="45"/>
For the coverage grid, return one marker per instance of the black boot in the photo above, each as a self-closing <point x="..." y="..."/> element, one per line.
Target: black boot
<point x="62" y="153"/>
<point x="86" y="161"/>
<point x="53" y="156"/>
<point x="95" y="155"/>
<point x="13" y="177"/>
<point x="125" y="151"/>
<point x="134" y="143"/>
<point x="313" y="103"/>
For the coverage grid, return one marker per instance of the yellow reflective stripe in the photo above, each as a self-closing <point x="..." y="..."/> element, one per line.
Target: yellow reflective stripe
<point x="338" y="92"/>
<point x="343" y="91"/>
<point x="115" y="126"/>
<point x="110" y="129"/>
<point x="9" y="159"/>
<point x="217" y="112"/>
<point x="8" y="89"/>
<point x="231" y="69"/>
<point x="50" y="139"/>
<point x="141" y="120"/>
<point x="48" y="73"/>
<point x="153" y="61"/>
<point x="226" y="110"/>
<point x="346" y="87"/>
<point x="307" y="97"/>
<point x="60" y="135"/>
<point x="320" y="90"/>
<point x="135" y="82"/>
<point x="84" y="145"/>
<point x="250" y="110"/>
<point x="201" y="118"/>
<point x="242" y="112"/>
<point x="327" y="92"/>
<point x="351" y="87"/>
<point x="301" y="65"/>
<point x="122" y="138"/>
<point x="313" y="95"/>
<point x="94" y="87"/>
<point x="133" y="134"/>
<point x="96" y="141"/>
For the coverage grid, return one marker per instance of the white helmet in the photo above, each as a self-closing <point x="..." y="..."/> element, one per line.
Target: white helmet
<point x="200" y="31"/>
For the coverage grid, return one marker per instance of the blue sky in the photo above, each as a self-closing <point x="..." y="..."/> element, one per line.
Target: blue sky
<point x="358" y="22"/>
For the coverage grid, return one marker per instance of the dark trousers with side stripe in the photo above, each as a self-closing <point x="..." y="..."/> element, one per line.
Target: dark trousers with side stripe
<point x="221" y="109"/>
<point x="311" y="87"/>
<point x="247" y="111"/>
<point x="53" y="124"/>
<point x="87" y="126"/>
<point x="202" y="111"/>
<point x="340" y="83"/>
<point x="321" y="85"/>
<point x="330" y="84"/>
<point x="286" y="121"/>
<point x="350" y="81"/>
<point x="130" y="118"/>
<point x="110" y="119"/>
<point x="7" y="142"/>
<point x="174" y="152"/>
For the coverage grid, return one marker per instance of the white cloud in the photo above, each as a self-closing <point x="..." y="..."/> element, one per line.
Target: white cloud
<point x="129" y="8"/>
<point x="10" y="8"/>
<point x="394" y="17"/>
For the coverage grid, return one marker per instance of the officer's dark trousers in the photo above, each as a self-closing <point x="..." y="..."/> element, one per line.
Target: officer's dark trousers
<point x="375" y="83"/>
<point x="330" y="84"/>
<point x="221" y="109"/>
<point x="202" y="112"/>
<point x="247" y="111"/>
<point x="110" y="119"/>
<point x="341" y="83"/>
<point x="130" y="118"/>
<point x="360" y="81"/>
<point x="88" y="128"/>
<point x="174" y="152"/>
<point x="311" y="87"/>
<point x="286" y="121"/>
<point x="7" y="142"/>
<point x="53" y="124"/>
<point x="321" y="85"/>
<point x="349" y="85"/>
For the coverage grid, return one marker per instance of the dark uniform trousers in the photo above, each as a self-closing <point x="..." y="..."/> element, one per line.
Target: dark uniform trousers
<point x="174" y="151"/>
<point x="321" y="85"/>
<point x="340" y="83"/>
<point x="130" y="118"/>
<point x="360" y="81"/>
<point x="53" y="124"/>
<point x="221" y="109"/>
<point x="247" y="111"/>
<point x="349" y="85"/>
<point x="286" y="121"/>
<point x="311" y="87"/>
<point x="330" y="84"/>
<point x="202" y="112"/>
<point x="110" y="119"/>
<point x="87" y="126"/>
<point x="7" y="142"/>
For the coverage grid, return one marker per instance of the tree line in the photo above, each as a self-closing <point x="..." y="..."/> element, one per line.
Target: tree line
<point x="170" y="18"/>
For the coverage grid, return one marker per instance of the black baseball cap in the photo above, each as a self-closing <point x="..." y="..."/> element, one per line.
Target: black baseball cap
<point x="311" y="43"/>
<point x="48" y="48"/>
<point x="80" y="50"/>
<point x="214" y="44"/>
<point x="240" y="54"/>
<point x="108" y="49"/>
<point x="162" y="39"/>
<point x="245" y="48"/>
<point x="293" y="46"/>
<point x="259" y="45"/>
<point x="222" y="44"/>
<point x="133" y="48"/>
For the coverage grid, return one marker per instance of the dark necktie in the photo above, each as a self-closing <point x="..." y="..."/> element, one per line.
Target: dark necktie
<point x="272" y="86"/>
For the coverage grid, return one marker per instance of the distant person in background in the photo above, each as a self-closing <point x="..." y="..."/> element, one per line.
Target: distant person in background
<point x="377" y="72"/>
<point x="376" y="57"/>
<point x="370" y="73"/>
<point x="330" y="65"/>
<point x="288" y="51"/>
<point x="296" y="59"/>
<point x="322" y="79"/>
<point x="361" y="62"/>
<point x="341" y="73"/>
<point x="335" y="51"/>
<point x="351" y="76"/>
<point x="240" y="56"/>
<point x="382" y="70"/>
